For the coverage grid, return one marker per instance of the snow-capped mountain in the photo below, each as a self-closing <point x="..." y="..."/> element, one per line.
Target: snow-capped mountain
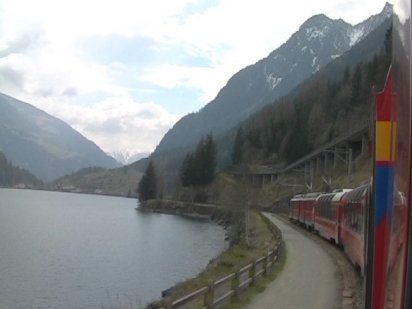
<point x="318" y="41"/>
<point x="127" y="157"/>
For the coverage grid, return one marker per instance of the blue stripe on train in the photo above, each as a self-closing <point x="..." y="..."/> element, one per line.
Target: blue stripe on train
<point x="383" y="191"/>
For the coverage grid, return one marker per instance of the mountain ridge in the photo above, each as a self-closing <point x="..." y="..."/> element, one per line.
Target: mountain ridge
<point x="43" y="144"/>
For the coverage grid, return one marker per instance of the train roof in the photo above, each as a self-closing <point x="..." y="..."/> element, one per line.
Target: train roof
<point x="341" y="190"/>
<point x="334" y="196"/>
<point x="306" y="196"/>
<point x="357" y="193"/>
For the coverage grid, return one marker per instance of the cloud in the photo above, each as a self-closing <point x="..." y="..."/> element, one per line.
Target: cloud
<point x="53" y="70"/>
<point x="20" y="44"/>
<point x="11" y="78"/>
<point x="117" y="123"/>
<point x="191" y="77"/>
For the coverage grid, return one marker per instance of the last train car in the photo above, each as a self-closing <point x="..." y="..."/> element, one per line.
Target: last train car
<point x="307" y="212"/>
<point x="294" y="207"/>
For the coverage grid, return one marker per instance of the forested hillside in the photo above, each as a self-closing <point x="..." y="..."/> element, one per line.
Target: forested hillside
<point x="121" y="181"/>
<point x="11" y="176"/>
<point x="319" y="111"/>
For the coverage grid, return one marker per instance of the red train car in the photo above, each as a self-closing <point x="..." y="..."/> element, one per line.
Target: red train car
<point x="302" y="209"/>
<point x="294" y="204"/>
<point x="307" y="210"/>
<point x="353" y="225"/>
<point x="327" y="215"/>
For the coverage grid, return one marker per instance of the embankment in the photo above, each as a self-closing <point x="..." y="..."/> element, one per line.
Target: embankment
<point x="193" y="210"/>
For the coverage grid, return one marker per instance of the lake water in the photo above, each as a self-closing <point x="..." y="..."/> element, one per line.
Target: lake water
<point x="61" y="250"/>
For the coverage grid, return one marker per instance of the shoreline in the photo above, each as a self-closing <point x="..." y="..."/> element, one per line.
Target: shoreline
<point x="71" y="192"/>
<point x="199" y="211"/>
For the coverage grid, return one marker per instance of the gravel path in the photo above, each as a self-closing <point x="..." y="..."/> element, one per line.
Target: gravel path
<point x="309" y="279"/>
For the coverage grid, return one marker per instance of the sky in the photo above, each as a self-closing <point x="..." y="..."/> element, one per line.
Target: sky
<point x="123" y="72"/>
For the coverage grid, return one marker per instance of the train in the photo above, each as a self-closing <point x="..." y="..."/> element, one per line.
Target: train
<point x="342" y="217"/>
<point x="373" y="222"/>
<point x="338" y="216"/>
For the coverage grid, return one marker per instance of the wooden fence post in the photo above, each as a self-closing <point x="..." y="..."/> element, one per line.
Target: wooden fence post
<point x="236" y="284"/>
<point x="252" y="272"/>
<point x="210" y="296"/>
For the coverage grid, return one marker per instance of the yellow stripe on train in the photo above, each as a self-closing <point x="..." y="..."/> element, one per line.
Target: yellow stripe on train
<point x="385" y="137"/>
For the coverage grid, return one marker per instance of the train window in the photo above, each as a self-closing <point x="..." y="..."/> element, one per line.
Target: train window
<point x="353" y="216"/>
<point x="353" y="211"/>
<point x="325" y="208"/>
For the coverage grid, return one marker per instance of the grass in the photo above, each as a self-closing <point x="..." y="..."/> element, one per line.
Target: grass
<point x="262" y="284"/>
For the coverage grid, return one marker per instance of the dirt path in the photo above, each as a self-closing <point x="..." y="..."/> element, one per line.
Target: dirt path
<point x="309" y="280"/>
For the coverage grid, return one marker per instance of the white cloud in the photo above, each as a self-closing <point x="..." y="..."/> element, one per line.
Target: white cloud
<point x="50" y="70"/>
<point x="207" y="80"/>
<point x="117" y="123"/>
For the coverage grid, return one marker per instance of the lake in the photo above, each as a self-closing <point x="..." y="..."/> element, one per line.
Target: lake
<point x="62" y="250"/>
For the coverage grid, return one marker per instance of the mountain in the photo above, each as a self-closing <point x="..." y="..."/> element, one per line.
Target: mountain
<point x="334" y="101"/>
<point x="126" y="157"/>
<point x="44" y="145"/>
<point x="318" y="41"/>
<point x="369" y="58"/>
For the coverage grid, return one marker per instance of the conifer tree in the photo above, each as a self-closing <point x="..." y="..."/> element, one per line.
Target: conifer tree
<point x="147" y="188"/>
<point x="187" y="171"/>
<point x="237" y="147"/>
<point x="198" y="168"/>
<point x="207" y="161"/>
